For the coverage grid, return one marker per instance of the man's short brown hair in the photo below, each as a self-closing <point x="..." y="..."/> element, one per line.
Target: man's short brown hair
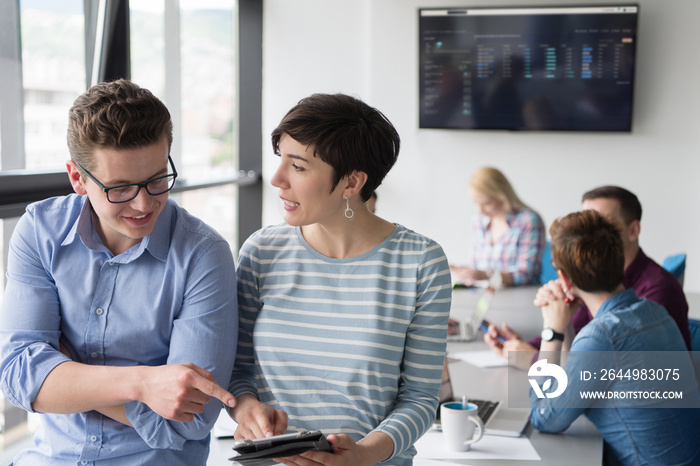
<point x="587" y="247"/>
<point x="115" y="115"/>
<point x="630" y="207"/>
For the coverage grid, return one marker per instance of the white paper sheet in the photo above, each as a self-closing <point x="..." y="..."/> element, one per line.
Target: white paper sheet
<point x="490" y="447"/>
<point x="485" y="358"/>
<point x="427" y="462"/>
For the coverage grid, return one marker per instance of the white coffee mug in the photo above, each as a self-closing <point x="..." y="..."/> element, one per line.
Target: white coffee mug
<point x="460" y="427"/>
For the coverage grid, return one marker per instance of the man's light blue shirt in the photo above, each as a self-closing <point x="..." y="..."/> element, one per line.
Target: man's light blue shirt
<point x="169" y="299"/>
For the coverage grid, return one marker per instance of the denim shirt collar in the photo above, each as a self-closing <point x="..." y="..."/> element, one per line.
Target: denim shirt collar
<point x="157" y="243"/>
<point x="622" y="299"/>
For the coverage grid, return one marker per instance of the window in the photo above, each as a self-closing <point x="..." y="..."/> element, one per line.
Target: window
<point x="203" y="90"/>
<point x="53" y="75"/>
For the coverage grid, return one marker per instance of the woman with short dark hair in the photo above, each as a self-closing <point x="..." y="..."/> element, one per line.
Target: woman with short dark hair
<point x="343" y="314"/>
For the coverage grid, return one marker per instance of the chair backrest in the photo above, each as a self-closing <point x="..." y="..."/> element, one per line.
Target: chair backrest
<point x="547" y="270"/>
<point x="675" y="264"/>
<point x="694" y="325"/>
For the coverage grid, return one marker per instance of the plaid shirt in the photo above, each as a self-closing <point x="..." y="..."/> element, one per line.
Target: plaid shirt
<point x="518" y="251"/>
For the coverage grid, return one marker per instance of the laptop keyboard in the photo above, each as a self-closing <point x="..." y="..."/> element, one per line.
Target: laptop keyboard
<point x="486" y="408"/>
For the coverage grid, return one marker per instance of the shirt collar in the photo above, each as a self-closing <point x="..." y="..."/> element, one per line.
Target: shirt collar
<point x="485" y="221"/>
<point x="636" y="268"/>
<point x="157" y="243"/>
<point x="73" y="232"/>
<point x="622" y="299"/>
<point x="84" y="229"/>
<point x="509" y="217"/>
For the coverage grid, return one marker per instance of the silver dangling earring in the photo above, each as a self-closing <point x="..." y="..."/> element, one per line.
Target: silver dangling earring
<point x="349" y="213"/>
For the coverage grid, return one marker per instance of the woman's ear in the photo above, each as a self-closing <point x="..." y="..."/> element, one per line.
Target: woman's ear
<point x="354" y="183"/>
<point x="75" y="177"/>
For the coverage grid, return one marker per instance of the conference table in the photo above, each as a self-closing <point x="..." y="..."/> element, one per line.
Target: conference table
<point x="515" y="307"/>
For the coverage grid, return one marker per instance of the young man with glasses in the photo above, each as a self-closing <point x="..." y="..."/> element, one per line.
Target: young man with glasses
<point x="119" y="316"/>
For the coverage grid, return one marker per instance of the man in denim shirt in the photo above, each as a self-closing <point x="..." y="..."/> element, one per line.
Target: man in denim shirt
<point x="119" y="319"/>
<point x="627" y="336"/>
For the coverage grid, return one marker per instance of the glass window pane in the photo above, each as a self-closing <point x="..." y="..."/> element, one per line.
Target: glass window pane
<point x="208" y="87"/>
<point x="208" y="104"/>
<point x="147" y="24"/>
<point x="207" y="97"/>
<point x="216" y="207"/>
<point x="53" y="69"/>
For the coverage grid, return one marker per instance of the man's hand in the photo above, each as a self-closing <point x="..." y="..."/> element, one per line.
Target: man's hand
<point x="256" y="419"/>
<point x="557" y="304"/>
<point x="554" y="290"/>
<point x="557" y="314"/>
<point x="179" y="391"/>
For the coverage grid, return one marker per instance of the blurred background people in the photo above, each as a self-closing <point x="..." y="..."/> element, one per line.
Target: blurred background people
<point x="508" y="237"/>
<point x="648" y="279"/>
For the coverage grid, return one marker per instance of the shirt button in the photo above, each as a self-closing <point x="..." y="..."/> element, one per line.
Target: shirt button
<point x="83" y="462"/>
<point x="93" y="355"/>
<point x="93" y="438"/>
<point x="543" y="411"/>
<point x="99" y="311"/>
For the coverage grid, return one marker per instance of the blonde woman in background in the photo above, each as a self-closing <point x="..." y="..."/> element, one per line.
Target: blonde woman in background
<point x="508" y="237"/>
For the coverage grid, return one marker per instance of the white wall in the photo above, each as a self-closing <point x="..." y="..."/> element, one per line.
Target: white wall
<point x="368" y="48"/>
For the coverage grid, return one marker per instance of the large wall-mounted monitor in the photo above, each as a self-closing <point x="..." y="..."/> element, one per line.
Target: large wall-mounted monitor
<point x="567" y="68"/>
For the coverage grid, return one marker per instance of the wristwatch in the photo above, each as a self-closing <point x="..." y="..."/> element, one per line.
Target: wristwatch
<point x="548" y="335"/>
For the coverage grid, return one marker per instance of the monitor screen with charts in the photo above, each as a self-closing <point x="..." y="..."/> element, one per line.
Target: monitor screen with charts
<point x="568" y="68"/>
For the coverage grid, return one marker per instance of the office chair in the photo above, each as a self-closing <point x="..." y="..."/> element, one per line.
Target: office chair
<point x="675" y="264"/>
<point x="547" y="270"/>
<point x="694" y="325"/>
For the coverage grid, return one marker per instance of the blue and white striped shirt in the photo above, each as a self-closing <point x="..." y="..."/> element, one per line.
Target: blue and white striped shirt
<point x="346" y="346"/>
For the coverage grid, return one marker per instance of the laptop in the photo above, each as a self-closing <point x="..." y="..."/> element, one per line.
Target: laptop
<point x="497" y="418"/>
<point x="467" y="331"/>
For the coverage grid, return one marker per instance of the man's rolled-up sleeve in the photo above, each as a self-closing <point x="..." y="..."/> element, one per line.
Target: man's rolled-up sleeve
<point x="29" y="320"/>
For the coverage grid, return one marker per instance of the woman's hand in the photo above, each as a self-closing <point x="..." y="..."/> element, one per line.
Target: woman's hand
<point x="346" y="452"/>
<point x="256" y="419"/>
<point x="467" y="275"/>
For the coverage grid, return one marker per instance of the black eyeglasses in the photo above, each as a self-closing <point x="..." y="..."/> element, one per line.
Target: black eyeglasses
<point x="126" y="192"/>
